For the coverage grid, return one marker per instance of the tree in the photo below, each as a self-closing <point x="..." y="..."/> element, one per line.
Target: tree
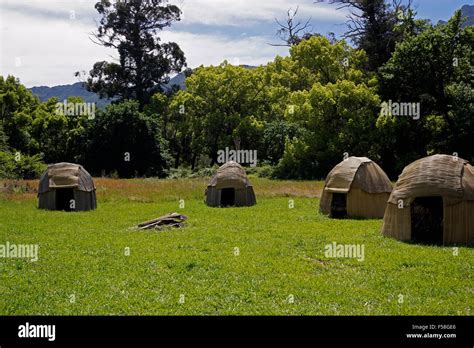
<point x="59" y="132"/>
<point x="423" y="66"/>
<point x="185" y="128"/>
<point x="31" y="127"/>
<point x="337" y="118"/>
<point x="328" y="62"/>
<point x="18" y="109"/>
<point x="314" y="60"/>
<point x="3" y="139"/>
<point x="218" y="104"/>
<point x="292" y="31"/>
<point x="275" y="134"/>
<point x="434" y="69"/>
<point x="372" y="26"/>
<point x="126" y="141"/>
<point x="145" y="63"/>
<point x="331" y="100"/>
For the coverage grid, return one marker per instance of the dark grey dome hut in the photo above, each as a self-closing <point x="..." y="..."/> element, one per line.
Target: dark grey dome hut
<point x="230" y="187"/>
<point x="66" y="186"/>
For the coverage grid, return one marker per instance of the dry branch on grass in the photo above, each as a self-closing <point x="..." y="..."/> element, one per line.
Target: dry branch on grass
<point x="169" y="220"/>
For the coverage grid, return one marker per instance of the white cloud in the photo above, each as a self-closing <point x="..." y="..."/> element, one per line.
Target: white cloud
<point x="212" y="49"/>
<point x="51" y="46"/>
<point x="207" y="12"/>
<point x="48" y="52"/>
<point x="250" y="12"/>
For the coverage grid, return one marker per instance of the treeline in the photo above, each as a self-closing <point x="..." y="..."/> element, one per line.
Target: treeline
<point x="301" y="113"/>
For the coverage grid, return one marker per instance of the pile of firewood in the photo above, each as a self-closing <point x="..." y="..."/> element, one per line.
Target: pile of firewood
<point x="171" y="220"/>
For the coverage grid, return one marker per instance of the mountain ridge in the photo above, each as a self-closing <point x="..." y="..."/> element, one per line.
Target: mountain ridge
<point x="78" y="89"/>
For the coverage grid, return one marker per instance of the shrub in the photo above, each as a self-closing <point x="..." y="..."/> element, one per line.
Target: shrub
<point x="18" y="166"/>
<point x="204" y="172"/>
<point x="296" y="162"/>
<point x="178" y="173"/>
<point x="187" y="173"/>
<point x="263" y="171"/>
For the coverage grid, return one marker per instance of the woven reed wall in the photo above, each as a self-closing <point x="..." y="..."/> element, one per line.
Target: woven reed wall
<point x="397" y="222"/>
<point x="459" y="223"/>
<point x="325" y="203"/>
<point x="366" y="205"/>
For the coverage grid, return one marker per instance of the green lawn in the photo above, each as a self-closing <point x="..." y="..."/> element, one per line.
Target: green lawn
<point x="281" y="256"/>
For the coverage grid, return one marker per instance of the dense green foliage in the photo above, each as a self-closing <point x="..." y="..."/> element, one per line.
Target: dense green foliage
<point x="18" y="109"/>
<point x="3" y="139"/>
<point x="17" y="166"/>
<point x="124" y="140"/>
<point x="268" y="109"/>
<point x="305" y="111"/>
<point x="434" y="68"/>
<point x="19" y="148"/>
<point x="219" y="108"/>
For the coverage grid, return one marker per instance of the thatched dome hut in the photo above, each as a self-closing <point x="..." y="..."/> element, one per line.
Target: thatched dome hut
<point x="66" y="186"/>
<point x="433" y="202"/>
<point x="356" y="187"/>
<point x="230" y="187"/>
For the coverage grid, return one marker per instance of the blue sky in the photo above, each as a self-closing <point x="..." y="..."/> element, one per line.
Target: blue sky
<point x="43" y="42"/>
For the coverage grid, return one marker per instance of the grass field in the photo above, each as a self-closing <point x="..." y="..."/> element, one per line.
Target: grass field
<point x="264" y="260"/>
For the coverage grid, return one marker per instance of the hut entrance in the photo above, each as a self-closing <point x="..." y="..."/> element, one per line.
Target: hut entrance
<point x="228" y="197"/>
<point x="339" y="205"/>
<point x="427" y="220"/>
<point x="63" y="198"/>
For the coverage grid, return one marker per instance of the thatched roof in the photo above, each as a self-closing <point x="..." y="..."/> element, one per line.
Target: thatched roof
<point x="231" y="174"/>
<point x="66" y="175"/>
<point x="361" y="172"/>
<point x="440" y="175"/>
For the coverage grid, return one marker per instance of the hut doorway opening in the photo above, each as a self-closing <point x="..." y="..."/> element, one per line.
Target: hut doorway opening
<point x="63" y="198"/>
<point x="427" y="220"/>
<point x="228" y="197"/>
<point x="339" y="206"/>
